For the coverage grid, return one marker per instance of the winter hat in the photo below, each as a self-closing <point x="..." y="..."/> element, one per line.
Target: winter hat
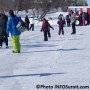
<point x="11" y="13"/>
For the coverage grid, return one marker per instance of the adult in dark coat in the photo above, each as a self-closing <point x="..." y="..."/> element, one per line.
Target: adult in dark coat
<point x="80" y="19"/>
<point x="73" y="21"/>
<point x="3" y="34"/>
<point x="83" y="18"/>
<point x="87" y="18"/>
<point x="61" y="25"/>
<point x="27" y="22"/>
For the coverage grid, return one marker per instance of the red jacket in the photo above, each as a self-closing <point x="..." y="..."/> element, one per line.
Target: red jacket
<point x="46" y="26"/>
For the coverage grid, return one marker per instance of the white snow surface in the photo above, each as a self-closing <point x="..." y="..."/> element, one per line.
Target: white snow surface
<point x="62" y="60"/>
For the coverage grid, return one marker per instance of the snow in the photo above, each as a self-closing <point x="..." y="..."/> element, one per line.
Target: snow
<point x="54" y="17"/>
<point x="63" y="60"/>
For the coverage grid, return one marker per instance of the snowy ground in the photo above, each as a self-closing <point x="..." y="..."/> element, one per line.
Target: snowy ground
<point x="63" y="60"/>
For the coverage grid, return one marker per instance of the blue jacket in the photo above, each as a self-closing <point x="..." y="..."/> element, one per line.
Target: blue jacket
<point x="11" y="25"/>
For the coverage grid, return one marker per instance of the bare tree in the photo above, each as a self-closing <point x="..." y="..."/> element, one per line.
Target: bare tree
<point x="39" y="6"/>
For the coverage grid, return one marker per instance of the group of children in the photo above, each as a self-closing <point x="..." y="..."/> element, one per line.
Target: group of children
<point x="46" y="26"/>
<point x="9" y="25"/>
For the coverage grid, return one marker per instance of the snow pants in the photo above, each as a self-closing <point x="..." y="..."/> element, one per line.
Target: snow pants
<point x="49" y="34"/>
<point x="3" y="38"/>
<point x="61" y="31"/>
<point x="32" y="27"/>
<point x="73" y="28"/>
<point x="16" y="43"/>
<point x="45" y="36"/>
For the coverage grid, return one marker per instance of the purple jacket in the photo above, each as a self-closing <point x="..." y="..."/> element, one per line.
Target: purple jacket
<point x="61" y="24"/>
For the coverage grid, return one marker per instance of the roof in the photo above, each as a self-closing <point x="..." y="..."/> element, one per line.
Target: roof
<point x="72" y="7"/>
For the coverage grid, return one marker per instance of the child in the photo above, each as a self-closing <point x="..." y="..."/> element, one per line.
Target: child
<point x="61" y="25"/>
<point x="46" y="29"/>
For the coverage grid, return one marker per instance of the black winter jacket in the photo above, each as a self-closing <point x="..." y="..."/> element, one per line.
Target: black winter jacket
<point x="3" y="23"/>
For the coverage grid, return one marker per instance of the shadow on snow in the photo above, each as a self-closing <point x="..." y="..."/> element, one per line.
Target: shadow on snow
<point x="72" y="49"/>
<point x="40" y="45"/>
<point x="27" y="75"/>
